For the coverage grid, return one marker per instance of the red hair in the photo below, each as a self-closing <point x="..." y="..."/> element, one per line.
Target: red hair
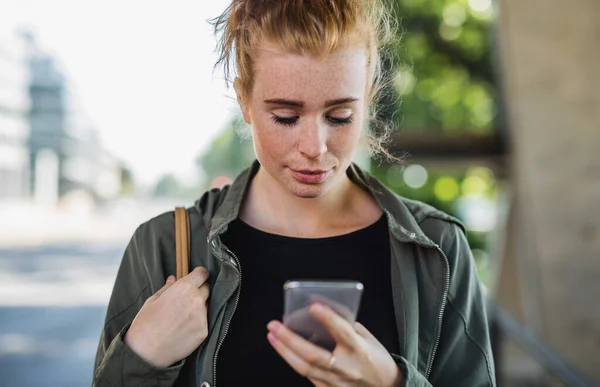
<point x="314" y="27"/>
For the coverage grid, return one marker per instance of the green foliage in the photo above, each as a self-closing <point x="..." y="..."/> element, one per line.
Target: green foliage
<point x="444" y="190"/>
<point x="168" y="186"/>
<point x="127" y="181"/>
<point x="442" y="78"/>
<point x="229" y="153"/>
<point x="441" y="82"/>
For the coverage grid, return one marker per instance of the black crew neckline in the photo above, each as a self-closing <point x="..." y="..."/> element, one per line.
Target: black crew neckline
<point x="272" y="237"/>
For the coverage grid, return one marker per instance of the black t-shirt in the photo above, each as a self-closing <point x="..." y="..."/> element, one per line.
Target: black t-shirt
<point x="267" y="261"/>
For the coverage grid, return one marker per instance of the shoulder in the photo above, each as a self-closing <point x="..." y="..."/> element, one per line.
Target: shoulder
<point x="437" y="225"/>
<point x="434" y="228"/>
<point x="208" y="204"/>
<point x="450" y="236"/>
<point x="447" y="234"/>
<point x="424" y="223"/>
<point x="200" y="214"/>
<point x="425" y="212"/>
<point x="444" y="230"/>
<point x="431" y="225"/>
<point x="153" y="242"/>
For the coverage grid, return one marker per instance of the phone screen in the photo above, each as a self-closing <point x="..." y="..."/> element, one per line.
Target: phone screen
<point x="343" y="297"/>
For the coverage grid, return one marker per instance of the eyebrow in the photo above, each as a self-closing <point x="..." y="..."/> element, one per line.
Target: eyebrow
<point x="288" y="102"/>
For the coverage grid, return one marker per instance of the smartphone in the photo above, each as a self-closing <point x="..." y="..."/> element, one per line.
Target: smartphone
<point x="342" y="296"/>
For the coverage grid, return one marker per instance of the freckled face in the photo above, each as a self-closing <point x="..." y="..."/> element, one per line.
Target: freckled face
<point x="307" y="116"/>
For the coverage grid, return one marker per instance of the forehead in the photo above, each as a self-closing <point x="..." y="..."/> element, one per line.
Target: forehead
<point x="342" y="73"/>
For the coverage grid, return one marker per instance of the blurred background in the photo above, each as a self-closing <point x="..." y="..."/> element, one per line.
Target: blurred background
<point x="110" y="114"/>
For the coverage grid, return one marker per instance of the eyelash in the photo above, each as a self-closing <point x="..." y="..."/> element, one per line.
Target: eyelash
<point x="291" y="121"/>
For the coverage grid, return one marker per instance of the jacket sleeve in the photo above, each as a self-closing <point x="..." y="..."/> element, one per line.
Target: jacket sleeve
<point x="116" y="364"/>
<point x="464" y="356"/>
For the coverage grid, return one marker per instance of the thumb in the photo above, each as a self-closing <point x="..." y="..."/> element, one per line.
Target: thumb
<point x="170" y="281"/>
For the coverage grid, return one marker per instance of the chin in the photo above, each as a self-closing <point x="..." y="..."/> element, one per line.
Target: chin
<point x="309" y="195"/>
<point x="308" y="191"/>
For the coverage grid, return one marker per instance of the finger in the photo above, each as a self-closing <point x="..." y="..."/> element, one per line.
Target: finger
<point x="337" y="307"/>
<point x="309" y="352"/>
<point x="342" y="331"/>
<point x="368" y="336"/>
<point x="204" y="291"/>
<point x="170" y="281"/>
<point x="300" y="365"/>
<point x="364" y="332"/>
<point x="197" y="277"/>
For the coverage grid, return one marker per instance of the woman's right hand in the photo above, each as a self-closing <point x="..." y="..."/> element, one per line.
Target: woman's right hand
<point x="173" y="322"/>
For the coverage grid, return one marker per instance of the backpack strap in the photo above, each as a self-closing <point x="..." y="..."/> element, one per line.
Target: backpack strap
<point x="182" y="241"/>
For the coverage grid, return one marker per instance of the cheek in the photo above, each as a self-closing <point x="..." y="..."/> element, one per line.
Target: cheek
<point x="345" y="140"/>
<point x="268" y="141"/>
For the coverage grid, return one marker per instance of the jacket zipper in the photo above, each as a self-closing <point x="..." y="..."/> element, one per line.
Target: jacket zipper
<point x="237" y="299"/>
<point x="441" y="315"/>
<point x="439" y="325"/>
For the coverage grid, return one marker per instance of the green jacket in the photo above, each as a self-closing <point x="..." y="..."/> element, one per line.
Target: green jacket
<point x="437" y="297"/>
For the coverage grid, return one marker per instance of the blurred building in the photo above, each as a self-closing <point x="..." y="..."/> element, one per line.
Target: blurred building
<point x="14" y="126"/>
<point x="49" y="148"/>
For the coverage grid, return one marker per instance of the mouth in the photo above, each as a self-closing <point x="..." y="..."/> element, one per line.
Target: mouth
<point x="310" y="176"/>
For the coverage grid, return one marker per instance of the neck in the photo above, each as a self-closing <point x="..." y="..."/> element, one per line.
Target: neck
<point x="271" y="208"/>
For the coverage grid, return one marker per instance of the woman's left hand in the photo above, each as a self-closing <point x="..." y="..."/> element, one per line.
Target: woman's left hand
<point x="357" y="360"/>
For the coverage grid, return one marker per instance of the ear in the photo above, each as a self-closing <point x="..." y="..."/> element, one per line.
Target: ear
<point x="242" y="100"/>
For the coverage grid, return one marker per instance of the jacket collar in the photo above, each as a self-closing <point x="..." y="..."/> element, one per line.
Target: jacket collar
<point x="401" y="221"/>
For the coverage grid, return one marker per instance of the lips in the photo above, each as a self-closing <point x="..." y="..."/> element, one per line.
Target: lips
<point x="309" y="172"/>
<point x="310" y="176"/>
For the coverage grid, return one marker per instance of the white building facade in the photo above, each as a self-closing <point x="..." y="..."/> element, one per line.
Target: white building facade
<point x="49" y="149"/>
<point x="14" y="125"/>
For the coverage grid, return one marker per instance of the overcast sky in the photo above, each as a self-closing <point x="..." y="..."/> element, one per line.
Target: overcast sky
<point x="142" y="70"/>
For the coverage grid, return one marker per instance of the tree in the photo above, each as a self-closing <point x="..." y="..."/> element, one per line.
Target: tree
<point x="229" y="154"/>
<point x="442" y="78"/>
<point x="127" y="181"/>
<point x="442" y="81"/>
<point x="168" y="186"/>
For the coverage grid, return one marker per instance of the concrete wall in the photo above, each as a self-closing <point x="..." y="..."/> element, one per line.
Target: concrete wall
<point x="550" y="52"/>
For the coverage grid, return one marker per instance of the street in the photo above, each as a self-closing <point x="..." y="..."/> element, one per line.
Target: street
<point x="52" y="305"/>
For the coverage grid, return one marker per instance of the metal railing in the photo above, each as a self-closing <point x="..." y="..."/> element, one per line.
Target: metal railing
<point x="504" y="325"/>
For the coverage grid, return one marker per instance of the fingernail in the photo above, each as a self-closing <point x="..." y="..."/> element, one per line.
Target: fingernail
<point x="318" y="308"/>
<point x="274" y="326"/>
<point x="272" y="338"/>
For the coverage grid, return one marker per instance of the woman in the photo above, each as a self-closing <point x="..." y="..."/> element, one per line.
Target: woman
<point x="306" y="74"/>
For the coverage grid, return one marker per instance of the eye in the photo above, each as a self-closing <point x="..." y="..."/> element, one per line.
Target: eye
<point x="338" y="121"/>
<point x="285" y="121"/>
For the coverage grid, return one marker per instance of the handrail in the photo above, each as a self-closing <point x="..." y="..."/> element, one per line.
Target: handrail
<point x="531" y="344"/>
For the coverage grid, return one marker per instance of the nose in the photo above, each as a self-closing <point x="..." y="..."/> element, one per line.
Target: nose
<point x="313" y="140"/>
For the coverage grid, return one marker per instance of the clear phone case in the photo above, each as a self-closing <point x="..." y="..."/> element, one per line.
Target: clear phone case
<point x="341" y="296"/>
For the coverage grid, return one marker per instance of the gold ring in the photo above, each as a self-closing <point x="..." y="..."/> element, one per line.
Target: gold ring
<point x="331" y="362"/>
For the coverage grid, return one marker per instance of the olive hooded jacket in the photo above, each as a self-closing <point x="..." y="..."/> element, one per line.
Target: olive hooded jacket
<point x="437" y="296"/>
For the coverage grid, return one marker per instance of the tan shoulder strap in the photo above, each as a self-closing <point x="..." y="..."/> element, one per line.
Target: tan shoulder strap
<point x="182" y="241"/>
